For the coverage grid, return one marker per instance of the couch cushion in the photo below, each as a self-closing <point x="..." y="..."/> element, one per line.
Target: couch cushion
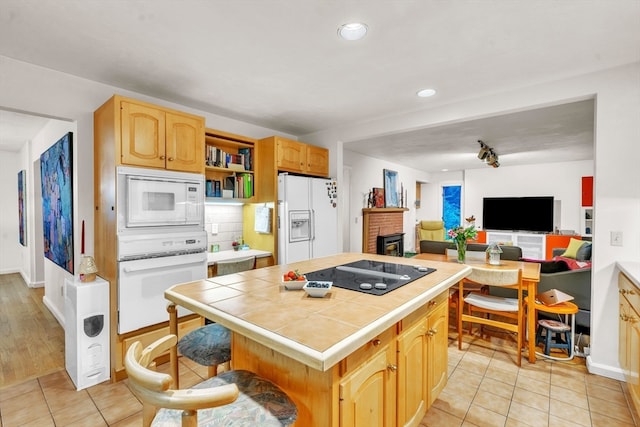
<point x="572" y="249"/>
<point x="584" y="253"/>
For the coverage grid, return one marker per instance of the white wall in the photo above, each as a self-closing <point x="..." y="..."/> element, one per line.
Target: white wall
<point x="560" y="180"/>
<point x="366" y="174"/>
<point x="11" y="250"/>
<point x="31" y="89"/>
<point x="53" y="273"/>
<point x="616" y="173"/>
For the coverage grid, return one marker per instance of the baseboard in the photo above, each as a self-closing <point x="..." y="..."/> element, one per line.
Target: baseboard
<point x="604" y="370"/>
<point x="56" y="313"/>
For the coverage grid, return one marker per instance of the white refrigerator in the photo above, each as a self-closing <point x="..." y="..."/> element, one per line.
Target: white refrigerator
<point x="307" y="218"/>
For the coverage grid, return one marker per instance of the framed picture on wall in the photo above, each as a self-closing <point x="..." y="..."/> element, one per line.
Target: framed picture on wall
<point x="56" y="173"/>
<point x="22" y="212"/>
<point x="378" y="197"/>
<point x="390" y="188"/>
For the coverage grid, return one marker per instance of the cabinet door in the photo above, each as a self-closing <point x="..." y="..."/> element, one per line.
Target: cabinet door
<point x="317" y="161"/>
<point x="184" y="143"/>
<point x="143" y="136"/>
<point x="633" y="358"/>
<point x="292" y="155"/>
<point x="437" y="355"/>
<point x="412" y="374"/>
<point x="368" y="395"/>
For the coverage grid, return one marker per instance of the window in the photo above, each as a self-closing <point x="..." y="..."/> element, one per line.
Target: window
<point x="451" y="201"/>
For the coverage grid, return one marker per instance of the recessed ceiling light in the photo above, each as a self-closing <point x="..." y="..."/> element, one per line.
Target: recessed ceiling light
<point x="425" y="93"/>
<point x="353" y="31"/>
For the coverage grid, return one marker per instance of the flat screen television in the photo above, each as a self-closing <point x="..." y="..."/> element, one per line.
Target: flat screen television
<point x="534" y="214"/>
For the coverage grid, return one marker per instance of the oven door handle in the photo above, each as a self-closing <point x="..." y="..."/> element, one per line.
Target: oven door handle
<point x="166" y="263"/>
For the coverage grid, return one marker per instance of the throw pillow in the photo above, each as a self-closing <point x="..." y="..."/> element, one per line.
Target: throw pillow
<point x="553" y="266"/>
<point x="584" y="253"/>
<point x="572" y="249"/>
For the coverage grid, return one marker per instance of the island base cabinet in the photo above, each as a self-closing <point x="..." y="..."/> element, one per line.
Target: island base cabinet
<point x="422" y="362"/>
<point x="389" y="381"/>
<point x="368" y="395"/>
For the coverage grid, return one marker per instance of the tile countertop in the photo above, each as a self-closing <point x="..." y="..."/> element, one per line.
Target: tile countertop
<point x="631" y="270"/>
<point x="318" y="332"/>
<point x="213" y="257"/>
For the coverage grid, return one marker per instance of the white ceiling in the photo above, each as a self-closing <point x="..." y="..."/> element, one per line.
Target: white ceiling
<point x="281" y="65"/>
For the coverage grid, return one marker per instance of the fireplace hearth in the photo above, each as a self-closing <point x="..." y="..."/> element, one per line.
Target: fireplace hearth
<point x="390" y="244"/>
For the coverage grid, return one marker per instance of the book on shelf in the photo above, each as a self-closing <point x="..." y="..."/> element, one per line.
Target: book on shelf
<point x="246" y="152"/>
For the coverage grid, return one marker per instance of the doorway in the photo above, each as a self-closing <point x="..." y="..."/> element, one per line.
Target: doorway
<point x="451" y="206"/>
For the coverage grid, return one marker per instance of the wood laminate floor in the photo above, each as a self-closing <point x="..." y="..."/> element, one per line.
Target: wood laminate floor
<point x="485" y="387"/>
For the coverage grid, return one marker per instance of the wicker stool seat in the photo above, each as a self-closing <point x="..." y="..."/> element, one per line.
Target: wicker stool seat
<point x="260" y="403"/>
<point x="552" y="332"/>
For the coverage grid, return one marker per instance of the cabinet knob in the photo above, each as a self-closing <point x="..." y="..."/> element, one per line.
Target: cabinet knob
<point x="631" y="292"/>
<point x="161" y="157"/>
<point x="170" y="159"/>
<point x="392" y="367"/>
<point x="376" y="342"/>
<point x="623" y="291"/>
<point x="432" y="303"/>
<point x="431" y="332"/>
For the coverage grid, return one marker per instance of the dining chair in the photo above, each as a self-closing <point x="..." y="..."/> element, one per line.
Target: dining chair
<point x="210" y="345"/>
<point x="490" y="305"/>
<point x="453" y="291"/>
<point x="233" y="398"/>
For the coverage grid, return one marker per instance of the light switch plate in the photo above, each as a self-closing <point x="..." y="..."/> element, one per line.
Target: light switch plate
<point x="616" y="238"/>
<point x="214" y="228"/>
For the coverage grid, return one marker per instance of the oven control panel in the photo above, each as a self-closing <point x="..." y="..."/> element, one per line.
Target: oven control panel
<point x="156" y="245"/>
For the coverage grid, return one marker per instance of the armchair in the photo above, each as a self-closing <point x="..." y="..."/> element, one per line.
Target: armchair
<point x="431" y="230"/>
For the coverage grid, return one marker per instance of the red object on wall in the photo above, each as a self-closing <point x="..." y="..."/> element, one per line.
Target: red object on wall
<point x="587" y="191"/>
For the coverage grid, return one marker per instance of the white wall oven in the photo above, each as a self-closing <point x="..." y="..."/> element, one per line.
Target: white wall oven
<point x="150" y="264"/>
<point x="158" y="198"/>
<point x="161" y="241"/>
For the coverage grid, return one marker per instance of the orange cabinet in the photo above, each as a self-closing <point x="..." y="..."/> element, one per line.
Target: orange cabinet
<point x="587" y="191"/>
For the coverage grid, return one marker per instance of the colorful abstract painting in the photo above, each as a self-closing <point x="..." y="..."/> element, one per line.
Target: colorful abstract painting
<point x="22" y="212"/>
<point x="57" y="202"/>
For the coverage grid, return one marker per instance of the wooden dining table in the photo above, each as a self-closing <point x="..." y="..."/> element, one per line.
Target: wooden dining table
<point x="530" y="278"/>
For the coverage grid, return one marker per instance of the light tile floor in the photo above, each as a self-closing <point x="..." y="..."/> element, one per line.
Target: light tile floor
<point x="485" y="388"/>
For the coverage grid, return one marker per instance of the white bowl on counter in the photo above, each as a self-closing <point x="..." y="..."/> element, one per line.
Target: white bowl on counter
<point x="294" y="285"/>
<point x="317" y="289"/>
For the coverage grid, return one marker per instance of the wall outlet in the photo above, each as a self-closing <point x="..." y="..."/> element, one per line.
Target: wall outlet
<point x="616" y="238"/>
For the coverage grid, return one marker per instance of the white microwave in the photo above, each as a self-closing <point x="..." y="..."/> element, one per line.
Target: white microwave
<point x="157" y="198"/>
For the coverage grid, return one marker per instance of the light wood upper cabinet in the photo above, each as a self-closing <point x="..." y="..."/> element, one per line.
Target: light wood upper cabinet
<point x="298" y="157"/>
<point x="317" y="161"/>
<point x="158" y="138"/>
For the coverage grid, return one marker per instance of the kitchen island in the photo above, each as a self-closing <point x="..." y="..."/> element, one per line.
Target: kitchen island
<point x="349" y="358"/>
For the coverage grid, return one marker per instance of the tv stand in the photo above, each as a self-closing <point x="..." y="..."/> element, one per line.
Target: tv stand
<point x="533" y="245"/>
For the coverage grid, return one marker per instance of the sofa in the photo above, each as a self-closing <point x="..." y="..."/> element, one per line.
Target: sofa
<point x="575" y="282"/>
<point x="512" y="253"/>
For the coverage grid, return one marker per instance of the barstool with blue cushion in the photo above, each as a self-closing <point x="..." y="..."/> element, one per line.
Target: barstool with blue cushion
<point x="210" y="345"/>
<point x="231" y="399"/>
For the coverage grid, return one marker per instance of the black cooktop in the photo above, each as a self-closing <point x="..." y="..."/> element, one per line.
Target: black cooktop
<point x="371" y="277"/>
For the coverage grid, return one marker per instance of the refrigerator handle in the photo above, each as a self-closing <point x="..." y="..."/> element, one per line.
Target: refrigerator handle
<point x="313" y="224"/>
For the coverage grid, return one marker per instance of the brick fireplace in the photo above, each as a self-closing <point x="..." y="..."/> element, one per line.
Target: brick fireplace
<point x="380" y="222"/>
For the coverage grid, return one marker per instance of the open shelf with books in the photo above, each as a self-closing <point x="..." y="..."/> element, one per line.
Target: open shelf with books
<point x="229" y="167"/>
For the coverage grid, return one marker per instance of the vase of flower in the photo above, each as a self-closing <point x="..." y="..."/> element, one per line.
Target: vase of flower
<point x="461" y="247"/>
<point x="460" y="235"/>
